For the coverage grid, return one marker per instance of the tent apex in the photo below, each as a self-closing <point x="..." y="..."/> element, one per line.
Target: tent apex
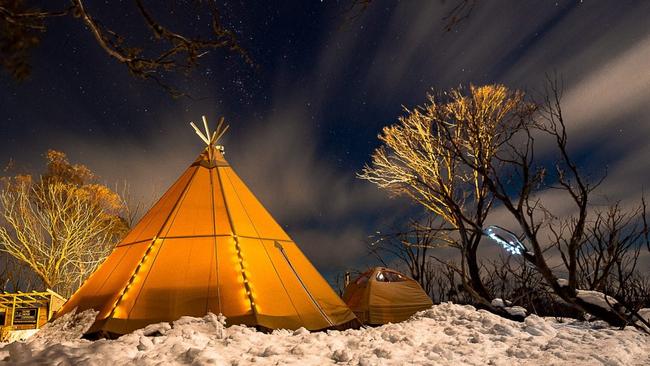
<point x="211" y="139"/>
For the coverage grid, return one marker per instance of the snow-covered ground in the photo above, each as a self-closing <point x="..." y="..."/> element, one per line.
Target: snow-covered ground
<point x="447" y="334"/>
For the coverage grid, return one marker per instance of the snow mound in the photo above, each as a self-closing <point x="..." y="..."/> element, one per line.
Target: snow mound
<point x="70" y="326"/>
<point x="597" y="298"/>
<point x="54" y="336"/>
<point x="644" y="313"/>
<point x="446" y="334"/>
<point x="516" y="311"/>
<point x="21" y="335"/>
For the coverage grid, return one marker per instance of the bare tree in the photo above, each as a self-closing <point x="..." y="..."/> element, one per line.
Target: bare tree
<point x="446" y="282"/>
<point x="61" y="226"/>
<point x="518" y="283"/>
<point x="22" y="28"/>
<point x="15" y="275"/>
<point x="131" y="207"/>
<point x="515" y="178"/>
<point x="635" y="292"/>
<point x="58" y="230"/>
<point x="611" y="248"/>
<point x="412" y="251"/>
<point x="419" y="159"/>
<point x="457" y="157"/>
<point x="459" y="12"/>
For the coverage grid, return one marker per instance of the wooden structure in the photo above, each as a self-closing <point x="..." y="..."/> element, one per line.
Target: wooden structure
<point x="27" y="310"/>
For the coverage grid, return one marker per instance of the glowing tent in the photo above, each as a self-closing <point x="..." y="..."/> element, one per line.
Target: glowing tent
<point x="382" y="295"/>
<point x="208" y="245"/>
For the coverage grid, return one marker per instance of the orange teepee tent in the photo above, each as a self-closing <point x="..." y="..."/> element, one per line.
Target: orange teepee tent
<point x="208" y="245"/>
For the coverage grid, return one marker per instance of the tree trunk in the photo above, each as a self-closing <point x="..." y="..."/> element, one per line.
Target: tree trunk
<point x="475" y="273"/>
<point x="609" y="315"/>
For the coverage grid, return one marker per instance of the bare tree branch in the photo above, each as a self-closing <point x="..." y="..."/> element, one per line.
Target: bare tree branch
<point x="21" y="29"/>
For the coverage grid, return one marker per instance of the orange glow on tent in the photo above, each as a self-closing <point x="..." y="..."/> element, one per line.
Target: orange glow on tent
<point x="208" y="245"/>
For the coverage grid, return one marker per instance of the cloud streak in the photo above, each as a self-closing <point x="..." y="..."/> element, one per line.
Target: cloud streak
<point x="285" y="146"/>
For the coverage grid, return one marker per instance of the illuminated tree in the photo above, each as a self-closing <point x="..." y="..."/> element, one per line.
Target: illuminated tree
<point x="62" y="225"/>
<point x="419" y="159"/>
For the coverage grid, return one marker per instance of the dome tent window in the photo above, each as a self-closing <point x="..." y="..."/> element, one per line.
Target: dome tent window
<point x="390" y="276"/>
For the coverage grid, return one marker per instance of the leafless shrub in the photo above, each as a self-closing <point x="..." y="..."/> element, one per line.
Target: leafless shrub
<point x="411" y="248"/>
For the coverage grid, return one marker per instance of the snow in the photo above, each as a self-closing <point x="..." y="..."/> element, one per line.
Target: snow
<point x="446" y="334"/>
<point x="499" y="303"/>
<point x="516" y="311"/>
<point x="512" y="310"/>
<point x="21" y="335"/>
<point x="69" y="327"/>
<point x="596" y="298"/>
<point x="644" y="313"/>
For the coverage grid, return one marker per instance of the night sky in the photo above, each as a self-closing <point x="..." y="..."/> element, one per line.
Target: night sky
<point x="305" y="120"/>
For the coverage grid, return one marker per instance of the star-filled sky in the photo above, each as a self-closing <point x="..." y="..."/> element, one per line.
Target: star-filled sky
<point x="305" y="120"/>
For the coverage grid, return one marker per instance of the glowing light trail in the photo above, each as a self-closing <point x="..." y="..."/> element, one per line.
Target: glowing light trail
<point x="506" y="239"/>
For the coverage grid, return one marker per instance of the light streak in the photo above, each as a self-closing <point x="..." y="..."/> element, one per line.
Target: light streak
<point x="506" y="239"/>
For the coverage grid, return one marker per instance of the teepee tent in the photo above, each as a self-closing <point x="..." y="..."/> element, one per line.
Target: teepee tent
<point x="208" y="245"/>
<point x="383" y="295"/>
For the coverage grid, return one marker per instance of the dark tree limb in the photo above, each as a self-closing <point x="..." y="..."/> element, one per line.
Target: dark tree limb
<point x="21" y="29"/>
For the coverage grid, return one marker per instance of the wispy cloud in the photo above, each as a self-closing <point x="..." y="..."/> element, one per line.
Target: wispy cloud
<point x="361" y="74"/>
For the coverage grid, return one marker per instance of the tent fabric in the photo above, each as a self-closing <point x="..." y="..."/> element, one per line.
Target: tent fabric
<point x="382" y="295"/>
<point x="208" y="245"/>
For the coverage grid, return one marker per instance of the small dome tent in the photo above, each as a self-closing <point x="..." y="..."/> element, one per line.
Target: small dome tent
<point x="383" y="295"/>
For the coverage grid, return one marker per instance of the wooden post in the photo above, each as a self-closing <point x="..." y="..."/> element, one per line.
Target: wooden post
<point x="49" y="308"/>
<point x="13" y="311"/>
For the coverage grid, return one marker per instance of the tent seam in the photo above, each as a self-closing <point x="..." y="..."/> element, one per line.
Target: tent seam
<point x="216" y="251"/>
<point x="234" y="236"/>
